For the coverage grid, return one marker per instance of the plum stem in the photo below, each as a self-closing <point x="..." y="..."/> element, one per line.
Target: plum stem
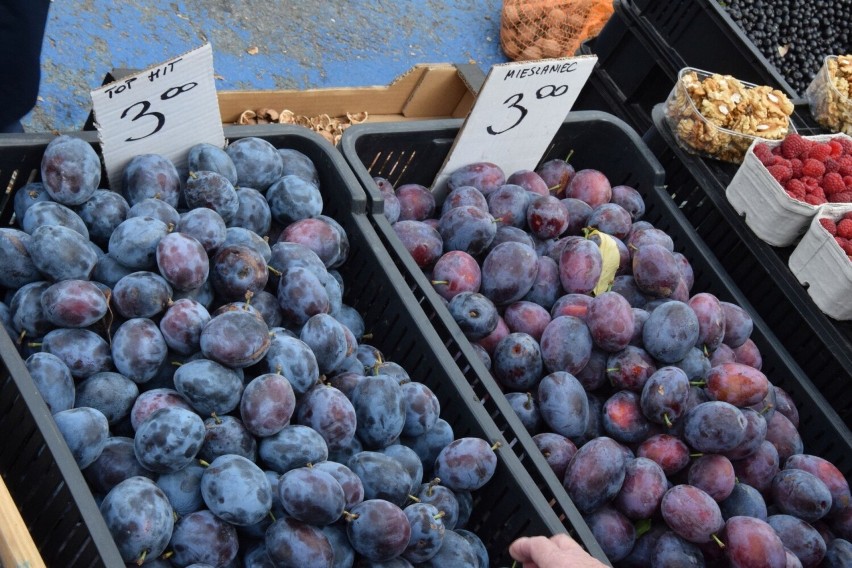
<point x="141" y="559"/>
<point x="21" y="339"/>
<point x="349" y="517"/>
<point x="496" y="446"/>
<point x="436" y="282"/>
<point x="203" y="463"/>
<point x="413" y="498"/>
<point x="717" y="541"/>
<point x="568" y="157"/>
<point x="367" y="336"/>
<point x="666" y="419"/>
<point x="698" y="383"/>
<point x="215" y="418"/>
<point x="440" y="515"/>
<point x="273" y="270"/>
<point x="696" y="455"/>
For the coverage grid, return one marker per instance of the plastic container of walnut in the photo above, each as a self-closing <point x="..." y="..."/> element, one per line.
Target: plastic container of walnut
<point x="830" y="94"/>
<point x="719" y="116"/>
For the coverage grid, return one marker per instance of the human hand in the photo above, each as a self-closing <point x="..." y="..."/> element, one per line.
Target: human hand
<point x="558" y="551"/>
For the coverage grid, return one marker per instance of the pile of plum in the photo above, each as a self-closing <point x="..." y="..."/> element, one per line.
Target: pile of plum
<point x="189" y="336"/>
<point x="646" y="398"/>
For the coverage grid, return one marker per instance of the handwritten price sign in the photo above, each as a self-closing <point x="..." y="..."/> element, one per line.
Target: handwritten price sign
<point x="163" y="110"/>
<point x="518" y="111"/>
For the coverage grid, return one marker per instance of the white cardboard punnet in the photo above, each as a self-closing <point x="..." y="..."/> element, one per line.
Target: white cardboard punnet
<point x="819" y="263"/>
<point x="163" y="110"/>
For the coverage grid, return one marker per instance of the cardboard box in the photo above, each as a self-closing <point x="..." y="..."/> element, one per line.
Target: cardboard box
<point x="427" y="90"/>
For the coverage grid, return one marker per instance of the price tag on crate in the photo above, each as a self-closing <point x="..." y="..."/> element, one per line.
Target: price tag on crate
<point x="517" y="112"/>
<point x="163" y="110"/>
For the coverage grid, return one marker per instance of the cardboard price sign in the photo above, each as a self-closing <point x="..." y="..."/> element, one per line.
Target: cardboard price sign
<point x="164" y="110"/>
<point x="517" y="112"/>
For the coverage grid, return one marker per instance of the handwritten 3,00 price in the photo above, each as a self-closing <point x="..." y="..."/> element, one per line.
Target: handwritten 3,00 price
<point x="145" y="110"/>
<point x="513" y="102"/>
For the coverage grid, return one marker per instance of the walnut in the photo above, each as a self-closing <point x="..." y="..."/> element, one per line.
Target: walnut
<point x="710" y="113"/>
<point x="830" y="94"/>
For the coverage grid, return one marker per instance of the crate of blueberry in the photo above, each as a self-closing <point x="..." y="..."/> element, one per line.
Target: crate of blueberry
<point x="575" y="290"/>
<point x="220" y="367"/>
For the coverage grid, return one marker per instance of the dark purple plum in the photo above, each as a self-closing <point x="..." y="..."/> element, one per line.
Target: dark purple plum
<point x="328" y="411"/>
<point x="484" y="176"/>
<point x="475" y="314"/>
<point x="319" y="235"/>
<point x="630" y="368"/>
<point x="578" y="215"/>
<point x="204" y="225"/>
<point x="508" y="272"/>
<point x="580" y="266"/>
<point x="111" y="393"/>
<point x="236" y="339"/>
<point x="311" y="496"/>
<point x="529" y="180"/>
<point x="526" y="317"/>
<point x="595" y="474"/>
<point x="327" y="339"/>
<point x="546" y="288"/>
<point x="209" y="157"/>
<point x="630" y="199"/>
<point x="692" y="514"/>
<point x="464" y="195"/>
<point x="828" y="473"/>
<point x="298" y="164"/>
<point x="291" y="357"/>
<point x="643" y="489"/>
<point x="738" y="325"/>
<point x="613" y="531"/>
<point x="378" y="530"/>
<point x="139" y="517"/>
<point x="670" y="452"/>
<point x="211" y="388"/>
<point x="655" y="270"/>
<point x="182" y="487"/>
<point x="416" y="202"/>
<point x="181" y="325"/>
<point x="380" y="410"/>
<point x="591" y="186"/>
<point x="454" y="272"/>
<point x="267" y="404"/>
<point x="253" y="211"/>
<point x="547" y="217"/>
<point x="141" y="294"/>
<point x="53" y="379"/>
<point x="752" y="542"/>
<point x="74" y="303"/>
<point x="516" y="362"/>
<point x="466" y="464"/>
<point x="803" y="540"/>
<point x="85" y="431"/>
<point x="70" y="170"/>
<point x="800" y="493"/>
<point x="556" y="449"/>
<point x="150" y="175"/>
<point x="563" y="404"/>
<point x="291" y="447"/>
<point x="156" y="208"/>
<point x="210" y="190"/>
<point x="203" y="538"/>
<point x="783" y="434"/>
<point x="226" y="435"/>
<point x="18" y="266"/>
<point x="557" y="174"/>
<point x="573" y="304"/>
<point x="257" y="161"/>
<point x="236" y="270"/>
<point x="670" y="331"/>
<point x="27" y="196"/>
<point x="83" y="351"/>
<point x="623" y="419"/>
<point x="60" y="253"/>
<point x="610" y="218"/>
<point x="291" y="198"/>
<point x="508" y="205"/>
<point x="610" y="321"/>
<point x="566" y="345"/>
<point x="168" y="439"/>
<point x="714" y="427"/>
<point x="53" y="213"/>
<point x="664" y="396"/>
<point x="467" y="228"/>
<point x="236" y="490"/>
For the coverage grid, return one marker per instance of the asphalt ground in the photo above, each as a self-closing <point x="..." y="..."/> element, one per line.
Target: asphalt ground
<point x="257" y="44"/>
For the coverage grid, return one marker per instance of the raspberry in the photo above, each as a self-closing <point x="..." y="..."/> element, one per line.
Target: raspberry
<point x="780" y="173"/>
<point x="829" y="225"/>
<point x="819" y="152"/>
<point x="836" y="148"/>
<point x="847" y="181"/>
<point x="795" y="187"/>
<point x="762" y="151"/>
<point x="794" y="146"/>
<point x="847" y="248"/>
<point x="846" y="143"/>
<point x="844" y="229"/>
<point x="813" y="200"/>
<point x="833" y="183"/>
<point x="844" y="197"/>
<point x="813" y="168"/>
<point x="845" y="163"/>
<point x="831" y="165"/>
<point x="847" y="215"/>
<point x="839" y="240"/>
<point x="796" y="166"/>
<point x="809" y="181"/>
<point x="818" y="193"/>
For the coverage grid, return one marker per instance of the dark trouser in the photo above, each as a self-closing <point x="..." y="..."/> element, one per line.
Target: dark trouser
<point x="22" y="24"/>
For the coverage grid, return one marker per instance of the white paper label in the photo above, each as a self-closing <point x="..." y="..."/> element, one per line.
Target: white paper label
<point x="517" y="112"/>
<point x="163" y="110"/>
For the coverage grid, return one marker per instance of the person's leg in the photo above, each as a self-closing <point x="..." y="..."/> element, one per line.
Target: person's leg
<point x="22" y="24"/>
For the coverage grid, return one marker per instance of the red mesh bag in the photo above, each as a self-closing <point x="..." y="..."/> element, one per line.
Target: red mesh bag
<point x="537" y="29"/>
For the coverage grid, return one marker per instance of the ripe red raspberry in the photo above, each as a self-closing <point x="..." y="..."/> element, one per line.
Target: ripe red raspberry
<point x="844" y="197"/>
<point x="819" y="151"/>
<point x="846" y="143"/>
<point x="813" y="168"/>
<point x="780" y="173"/>
<point x="762" y="151"/>
<point x="839" y="240"/>
<point x="809" y="181"/>
<point x="847" y="181"/>
<point x="847" y="215"/>
<point x="833" y="183"/>
<point x="844" y="229"/>
<point x="796" y="188"/>
<point x="831" y="165"/>
<point x="794" y="146"/>
<point x="836" y="148"/>
<point x="818" y="193"/>
<point x="847" y="248"/>
<point x="829" y="225"/>
<point x="796" y="166"/>
<point x="813" y="200"/>
<point x="845" y="163"/>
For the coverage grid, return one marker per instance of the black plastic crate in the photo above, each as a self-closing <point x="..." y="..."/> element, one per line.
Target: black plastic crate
<point x="413" y="153"/>
<point x="822" y="345"/>
<point x="60" y="510"/>
<point x="701" y="34"/>
<point x="644" y="45"/>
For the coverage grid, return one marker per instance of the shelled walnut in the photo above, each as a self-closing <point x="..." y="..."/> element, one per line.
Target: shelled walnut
<point x="329" y="127"/>
<point x="720" y="116"/>
<point x="830" y="94"/>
